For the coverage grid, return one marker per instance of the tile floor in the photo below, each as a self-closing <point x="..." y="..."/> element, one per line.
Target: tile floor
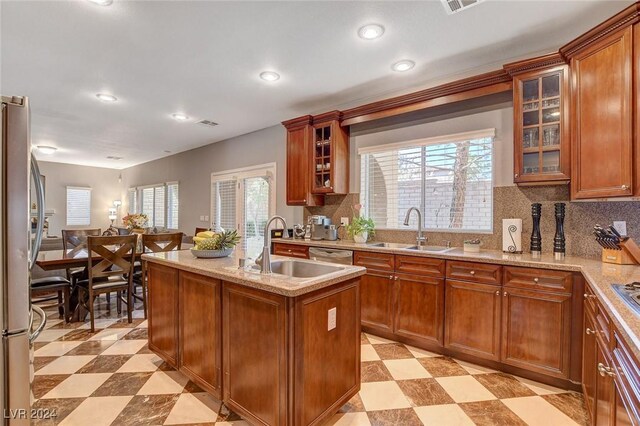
<point x="111" y="378"/>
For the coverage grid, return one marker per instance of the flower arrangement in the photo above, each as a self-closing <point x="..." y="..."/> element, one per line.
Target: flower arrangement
<point x="135" y="220"/>
<point x="360" y="228"/>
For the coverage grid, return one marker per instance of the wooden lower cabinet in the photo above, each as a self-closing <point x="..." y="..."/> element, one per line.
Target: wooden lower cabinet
<point x="200" y="331"/>
<point x="283" y="362"/>
<point x="163" y="312"/>
<point x="291" y="250"/>
<point x="376" y="288"/>
<point x="589" y="362"/>
<point x="472" y="319"/>
<point x="419" y="312"/>
<point x="604" y="386"/>
<point x="536" y="331"/>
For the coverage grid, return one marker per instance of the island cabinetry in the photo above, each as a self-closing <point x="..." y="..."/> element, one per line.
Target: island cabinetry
<point x="163" y="312"/>
<point x="291" y="250"/>
<point x="200" y="334"/>
<point x="290" y="361"/>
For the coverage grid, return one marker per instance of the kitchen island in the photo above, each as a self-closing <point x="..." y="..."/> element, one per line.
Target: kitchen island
<point x="277" y="349"/>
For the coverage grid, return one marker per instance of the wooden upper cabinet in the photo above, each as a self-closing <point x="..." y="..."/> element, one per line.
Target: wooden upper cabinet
<point x="330" y="153"/>
<point x="541" y="124"/>
<point x="299" y="140"/>
<point x="602" y="110"/>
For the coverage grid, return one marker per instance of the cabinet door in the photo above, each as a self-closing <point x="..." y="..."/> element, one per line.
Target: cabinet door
<point x="299" y="168"/>
<point x="472" y="318"/>
<point x="200" y="330"/>
<point x="536" y="330"/>
<point x="602" y="134"/>
<point x="163" y="312"/>
<point x="622" y="413"/>
<point x="589" y="363"/>
<point x="604" y="388"/>
<point x="541" y="126"/>
<point x="419" y="308"/>
<point x="376" y="298"/>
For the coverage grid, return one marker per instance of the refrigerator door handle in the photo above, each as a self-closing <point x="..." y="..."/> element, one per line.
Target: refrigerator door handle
<point x="43" y="321"/>
<point x="35" y="245"/>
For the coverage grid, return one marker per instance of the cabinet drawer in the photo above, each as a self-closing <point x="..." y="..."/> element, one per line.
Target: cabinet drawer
<point x="378" y="261"/>
<point x="603" y="323"/>
<point x="291" y="250"/>
<point x="484" y="273"/>
<point x="627" y="376"/>
<point x="590" y="300"/>
<point x="420" y="265"/>
<point x="542" y="279"/>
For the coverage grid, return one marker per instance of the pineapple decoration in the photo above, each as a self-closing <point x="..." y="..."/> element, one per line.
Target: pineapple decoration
<point x="223" y="242"/>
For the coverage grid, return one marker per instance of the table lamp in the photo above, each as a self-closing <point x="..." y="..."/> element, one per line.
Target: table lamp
<point x="113" y="215"/>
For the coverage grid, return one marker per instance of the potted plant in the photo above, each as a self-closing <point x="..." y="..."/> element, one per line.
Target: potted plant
<point x="360" y="228"/>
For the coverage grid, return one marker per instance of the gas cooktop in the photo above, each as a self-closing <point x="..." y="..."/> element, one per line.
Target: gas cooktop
<point x="630" y="293"/>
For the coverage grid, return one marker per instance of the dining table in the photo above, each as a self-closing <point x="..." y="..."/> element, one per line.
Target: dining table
<point x="52" y="260"/>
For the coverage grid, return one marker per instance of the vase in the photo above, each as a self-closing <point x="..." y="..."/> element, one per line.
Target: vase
<point x="361" y="237"/>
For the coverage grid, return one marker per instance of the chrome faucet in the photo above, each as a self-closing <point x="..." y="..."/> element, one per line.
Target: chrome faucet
<point x="265" y="267"/>
<point x="420" y="240"/>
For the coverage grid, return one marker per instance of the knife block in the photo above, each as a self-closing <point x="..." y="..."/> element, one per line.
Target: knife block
<point x="629" y="254"/>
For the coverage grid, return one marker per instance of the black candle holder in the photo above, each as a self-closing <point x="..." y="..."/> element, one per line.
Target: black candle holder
<point x="559" y="249"/>
<point x="536" y="238"/>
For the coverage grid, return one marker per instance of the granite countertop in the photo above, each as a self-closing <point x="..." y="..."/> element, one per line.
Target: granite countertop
<point x="599" y="275"/>
<point x="227" y="269"/>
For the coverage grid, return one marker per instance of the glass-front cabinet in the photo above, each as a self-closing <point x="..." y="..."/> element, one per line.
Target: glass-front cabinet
<point x="541" y="127"/>
<point x="330" y="165"/>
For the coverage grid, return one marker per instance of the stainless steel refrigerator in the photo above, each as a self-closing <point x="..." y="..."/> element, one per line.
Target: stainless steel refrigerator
<point x="18" y="252"/>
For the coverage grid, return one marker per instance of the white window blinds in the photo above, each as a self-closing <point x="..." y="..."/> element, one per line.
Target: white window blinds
<point x="132" y="195"/>
<point x="224" y="204"/>
<point x="172" y="205"/>
<point x="78" y="206"/>
<point x="450" y="178"/>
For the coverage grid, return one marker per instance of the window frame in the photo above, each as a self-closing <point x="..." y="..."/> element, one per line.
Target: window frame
<point x="77" y="188"/>
<point x="137" y="190"/>
<point x="424" y="142"/>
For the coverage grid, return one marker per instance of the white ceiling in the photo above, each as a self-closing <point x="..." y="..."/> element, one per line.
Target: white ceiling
<point x="203" y="59"/>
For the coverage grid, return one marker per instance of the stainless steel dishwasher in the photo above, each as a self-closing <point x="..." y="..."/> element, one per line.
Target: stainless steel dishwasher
<point x="344" y="257"/>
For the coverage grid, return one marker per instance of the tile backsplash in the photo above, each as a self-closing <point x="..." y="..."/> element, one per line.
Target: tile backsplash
<point x="515" y="202"/>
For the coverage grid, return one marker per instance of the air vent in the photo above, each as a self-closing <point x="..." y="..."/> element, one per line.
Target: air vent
<point x="454" y="6"/>
<point x="207" y="123"/>
<point x="112" y="157"/>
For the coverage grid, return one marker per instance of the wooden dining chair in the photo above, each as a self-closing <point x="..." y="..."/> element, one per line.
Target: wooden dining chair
<point x="113" y="271"/>
<point x="154" y="243"/>
<point x="73" y="242"/>
<point x="200" y="230"/>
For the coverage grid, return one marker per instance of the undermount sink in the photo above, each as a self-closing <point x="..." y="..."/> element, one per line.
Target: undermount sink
<point x="300" y="269"/>
<point x="441" y="249"/>
<point x="389" y="245"/>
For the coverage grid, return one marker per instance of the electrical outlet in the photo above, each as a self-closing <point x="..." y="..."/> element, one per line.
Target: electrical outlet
<point x="331" y="319"/>
<point x="201" y="218"/>
<point x="206" y="218"/>
<point x="344" y="221"/>
<point x="621" y="226"/>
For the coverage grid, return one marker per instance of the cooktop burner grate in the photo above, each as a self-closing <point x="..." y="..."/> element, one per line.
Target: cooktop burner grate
<point x="630" y="293"/>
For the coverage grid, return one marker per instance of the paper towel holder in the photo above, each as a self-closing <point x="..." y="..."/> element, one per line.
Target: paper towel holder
<point x="512" y="236"/>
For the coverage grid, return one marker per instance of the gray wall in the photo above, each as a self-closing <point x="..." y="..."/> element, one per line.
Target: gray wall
<point x="192" y="169"/>
<point x="104" y="185"/>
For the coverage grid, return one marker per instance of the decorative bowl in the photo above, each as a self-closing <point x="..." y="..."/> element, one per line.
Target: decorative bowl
<point x="211" y="254"/>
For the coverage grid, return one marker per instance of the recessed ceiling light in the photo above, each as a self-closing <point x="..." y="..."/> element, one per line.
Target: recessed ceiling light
<point x="371" y="31"/>
<point x="47" y="150"/>
<point x="105" y="97"/>
<point x="403" y="65"/>
<point x="269" y="76"/>
<point x="102" y="2"/>
<point x="179" y="116"/>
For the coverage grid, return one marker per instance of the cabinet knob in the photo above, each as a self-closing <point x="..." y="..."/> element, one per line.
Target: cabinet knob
<point x="535" y="280"/>
<point x="289" y="251"/>
<point x="497" y="292"/>
<point x="304" y="201"/>
<point x="624" y="187"/>
<point x="395" y="278"/>
<point x="589" y="296"/>
<point x="390" y="277"/>
<point x="472" y="272"/>
<point x="516" y="176"/>
<point x="504" y="294"/>
<point x="590" y="331"/>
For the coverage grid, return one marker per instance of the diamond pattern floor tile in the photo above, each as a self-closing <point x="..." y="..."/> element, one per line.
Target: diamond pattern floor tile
<point x="110" y="377"/>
